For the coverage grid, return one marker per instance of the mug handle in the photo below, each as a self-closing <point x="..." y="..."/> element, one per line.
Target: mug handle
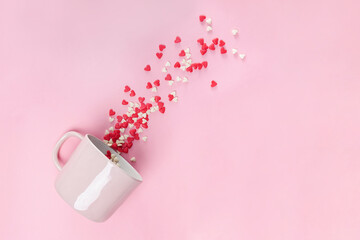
<point x="60" y="142"/>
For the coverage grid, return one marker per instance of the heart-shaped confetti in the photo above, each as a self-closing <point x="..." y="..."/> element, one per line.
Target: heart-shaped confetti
<point x="221" y="43"/>
<point x="213" y="83"/>
<point x="215" y="41"/>
<point x="124" y="102"/>
<point x="162" y="47"/>
<point x="242" y="55"/>
<point x="162" y="110"/>
<point x="177" y="65"/>
<point x="205" y="64"/>
<point x="234" y="32"/>
<point x="157" y="83"/>
<point x="182" y="53"/>
<point x="148" y="85"/>
<point x="147" y="68"/>
<point x="177" y="39"/>
<point x="159" y="55"/>
<point x="234" y="51"/>
<point x="127" y="88"/>
<point x="171" y="97"/>
<point x="208" y="20"/>
<point x="111" y="112"/>
<point x="212" y="46"/>
<point x="223" y="50"/>
<point x="201" y="41"/>
<point x="202" y="51"/>
<point x="202" y="18"/>
<point x="132" y="93"/>
<point x="157" y="98"/>
<point x="168" y="77"/>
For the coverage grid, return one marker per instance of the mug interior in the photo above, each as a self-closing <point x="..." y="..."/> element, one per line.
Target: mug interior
<point x="124" y="165"/>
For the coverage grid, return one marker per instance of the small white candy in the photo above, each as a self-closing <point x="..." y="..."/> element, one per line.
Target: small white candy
<point x="183" y="61"/>
<point x="164" y="70"/>
<point x="121" y="138"/>
<point x="113" y="155"/>
<point x="167" y="64"/>
<point x="154" y="89"/>
<point x="234" y="51"/>
<point x="111" y="129"/>
<point x="156" y="107"/>
<point x="175" y="99"/>
<point x="123" y="120"/>
<point x="140" y="130"/>
<point x="144" y="120"/>
<point x="152" y="109"/>
<point x="122" y="130"/>
<point x="129" y="114"/>
<point x="185" y="79"/>
<point x="170" y="82"/>
<point x="173" y="93"/>
<point x="188" y="55"/>
<point x="137" y="105"/>
<point x="144" y="139"/>
<point x="189" y="61"/>
<point x="208" y="20"/>
<point x="187" y="50"/>
<point x="209" y="28"/>
<point x="183" y="68"/>
<point x="131" y="104"/>
<point x="133" y="159"/>
<point x="148" y="112"/>
<point x="234" y="31"/>
<point x="130" y="109"/>
<point x="106" y="132"/>
<point x="106" y="141"/>
<point x="187" y="65"/>
<point x="144" y="115"/>
<point x="178" y="79"/>
<point x="242" y="55"/>
<point x="111" y="119"/>
<point x="126" y="136"/>
<point x="111" y="141"/>
<point x="131" y="125"/>
<point x="152" y="99"/>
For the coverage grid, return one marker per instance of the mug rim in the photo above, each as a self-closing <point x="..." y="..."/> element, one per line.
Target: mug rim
<point x="121" y="158"/>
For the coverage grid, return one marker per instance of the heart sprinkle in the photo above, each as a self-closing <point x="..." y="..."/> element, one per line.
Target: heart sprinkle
<point x="157" y="83"/>
<point x="223" y="50"/>
<point x="201" y="41"/>
<point x="182" y="53"/>
<point x="159" y="55"/>
<point x="127" y="88"/>
<point x="177" y="65"/>
<point x="213" y="83"/>
<point x="202" y="18"/>
<point x="162" y="47"/>
<point x="234" y="32"/>
<point x="168" y="77"/>
<point x="147" y="68"/>
<point x="132" y="93"/>
<point x="177" y="39"/>
<point x="148" y="85"/>
<point x="111" y="112"/>
<point x="221" y="43"/>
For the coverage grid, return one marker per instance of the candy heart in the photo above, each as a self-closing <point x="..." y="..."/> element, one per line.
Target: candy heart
<point x="199" y="66"/>
<point x="242" y="55"/>
<point x="215" y="41"/>
<point x="234" y="51"/>
<point x="201" y="41"/>
<point x="148" y="85"/>
<point x="208" y="28"/>
<point x="157" y="83"/>
<point x="144" y="138"/>
<point x="204" y="46"/>
<point x="168" y="77"/>
<point x="119" y="118"/>
<point x="147" y="68"/>
<point x="202" y="51"/>
<point x="213" y="83"/>
<point x="132" y="132"/>
<point x="182" y="53"/>
<point x="162" y="110"/>
<point x="127" y="88"/>
<point x="164" y="70"/>
<point x="212" y="46"/>
<point x="221" y="43"/>
<point x="157" y="98"/>
<point x="175" y="99"/>
<point x="132" y="93"/>
<point x="111" y="119"/>
<point x="208" y="21"/>
<point x="141" y="99"/>
<point x="159" y="55"/>
<point x="173" y="93"/>
<point x="205" y="64"/>
<point x="202" y="18"/>
<point x="177" y="65"/>
<point x="185" y="80"/>
<point x="160" y="104"/>
<point x="162" y="47"/>
<point x="234" y="31"/>
<point x="124" y="102"/>
<point x="178" y="79"/>
<point x="152" y="99"/>
<point x="171" y="97"/>
<point x="170" y="82"/>
<point x="189" y="69"/>
<point x="223" y="50"/>
<point x="111" y="112"/>
<point x="177" y="39"/>
<point x="154" y="89"/>
<point x="167" y="64"/>
<point x="188" y="55"/>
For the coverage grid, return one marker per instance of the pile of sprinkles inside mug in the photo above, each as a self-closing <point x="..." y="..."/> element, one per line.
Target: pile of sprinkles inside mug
<point x="128" y="127"/>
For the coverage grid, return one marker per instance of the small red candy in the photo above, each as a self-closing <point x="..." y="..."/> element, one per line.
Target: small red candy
<point x="204" y="46"/>
<point x="215" y="41"/>
<point x="171" y="97"/>
<point x="202" y="18"/>
<point x="148" y="85"/>
<point x="159" y="55"/>
<point x="162" y="110"/>
<point x="132" y="93"/>
<point x="221" y="43"/>
<point x="223" y="50"/>
<point x="157" y="83"/>
<point x="212" y="46"/>
<point x="160" y="104"/>
<point x="189" y="69"/>
<point x="132" y="132"/>
<point x="127" y="88"/>
<point x="199" y="66"/>
<point x="162" y="47"/>
<point x="202" y="51"/>
<point x="147" y="68"/>
<point x="124" y="102"/>
<point x="177" y="39"/>
<point x="182" y="53"/>
<point x="119" y="118"/>
<point x="117" y="126"/>
<point x="205" y="64"/>
<point x="177" y="65"/>
<point x="201" y="41"/>
<point x="168" y="77"/>
<point x="111" y="112"/>
<point x="157" y="98"/>
<point x="213" y="83"/>
<point x="141" y="99"/>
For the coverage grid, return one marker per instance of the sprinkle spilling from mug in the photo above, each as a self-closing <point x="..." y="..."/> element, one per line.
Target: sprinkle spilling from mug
<point x="129" y="127"/>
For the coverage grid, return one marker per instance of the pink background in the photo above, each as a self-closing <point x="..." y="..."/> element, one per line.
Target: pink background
<point x="271" y="153"/>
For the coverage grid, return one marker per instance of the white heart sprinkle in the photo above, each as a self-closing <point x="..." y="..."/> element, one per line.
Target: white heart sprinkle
<point x="170" y="82"/>
<point x="152" y="99"/>
<point x="133" y="159"/>
<point x="144" y="139"/>
<point x="175" y="99"/>
<point x="106" y="141"/>
<point x="209" y="28"/>
<point x="183" y="61"/>
<point x="111" y="129"/>
<point x="185" y="79"/>
<point x="131" y="104"/>
<point x="173" y="93"/>
<point x="131" y="125"/>
<point x="111" y="141"/>
<point x="208" y="21"/>
<point x="121" y="137"/>
<point x="126" y="136"/>
<point x="242" y="55"/>
<point x="188" y="55"/>
<point x="178" y="79"/>
<point x="167" y="64"/>
<point x="144" y="120"/>
<point x="106" y="132"/>
<point x="234" y="31"/>
<point x="187" y="50"/>
<point x="234" y="51"/>
<point x="140" y="130"/>
<point x="154" y="89"/>
<point x="122" y="130"/>
<point x="164" y="70"/>
<point x="111" y="119"/>
<point x="183" y="68"/>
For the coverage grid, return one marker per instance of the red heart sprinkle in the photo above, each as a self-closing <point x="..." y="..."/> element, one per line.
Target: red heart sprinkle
<point x="171" y="97"/>
<point x="202" y="51"/>
<point x="213" y="83"/>
<point x="177" y="39"/>
<point x="205" y="64"/>
<point x="132" y="132"/>
<point x="117" y="125"/>
<point x="223" y="50"/>
<point x="119" y="118"/>
<point x="204" y="46"/>
<point x="215" y="41"/>
<point x="148" y="106"/>
<point x="125" y="150"/>
<point x="194" y="65"/>
<point x="111" y="112"/>
<point x="144" y="125"/>
<point x="125" y="124"/>
<point x="199" y="66"/>
<point x="107" y="137"/>
<point x="141" y="99"/>
<point x="124" y="102"/>
<point x="157" y="98"/>
<point x="212" y="46"/>
<point x="157" y="83"/>
<point x="148" y="85"/>
<point x="177" y="65"/>
<point x="162" y="110"/>
<point x="202" y="18"/>
<point x="189" y="69"/>
<point x="160" y="104"/>
<point x="137" y="125"/>
<point x="162" y="47"/>
<point x="168" y="77"/>
<point x="132" y="93"/>
<point x="201" y="41"/>
<point x="221" y="43"/>
<point x="159" y="55"/>
<point x="137" y="136"/>
<point x="182" y="53"/>
<point x="127" y="88"/>
<point x="129" y="144"/>
<point x="147" y="68"/>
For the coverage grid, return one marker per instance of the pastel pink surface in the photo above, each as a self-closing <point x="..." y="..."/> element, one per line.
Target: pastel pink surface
<point x="271" y="153"/>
